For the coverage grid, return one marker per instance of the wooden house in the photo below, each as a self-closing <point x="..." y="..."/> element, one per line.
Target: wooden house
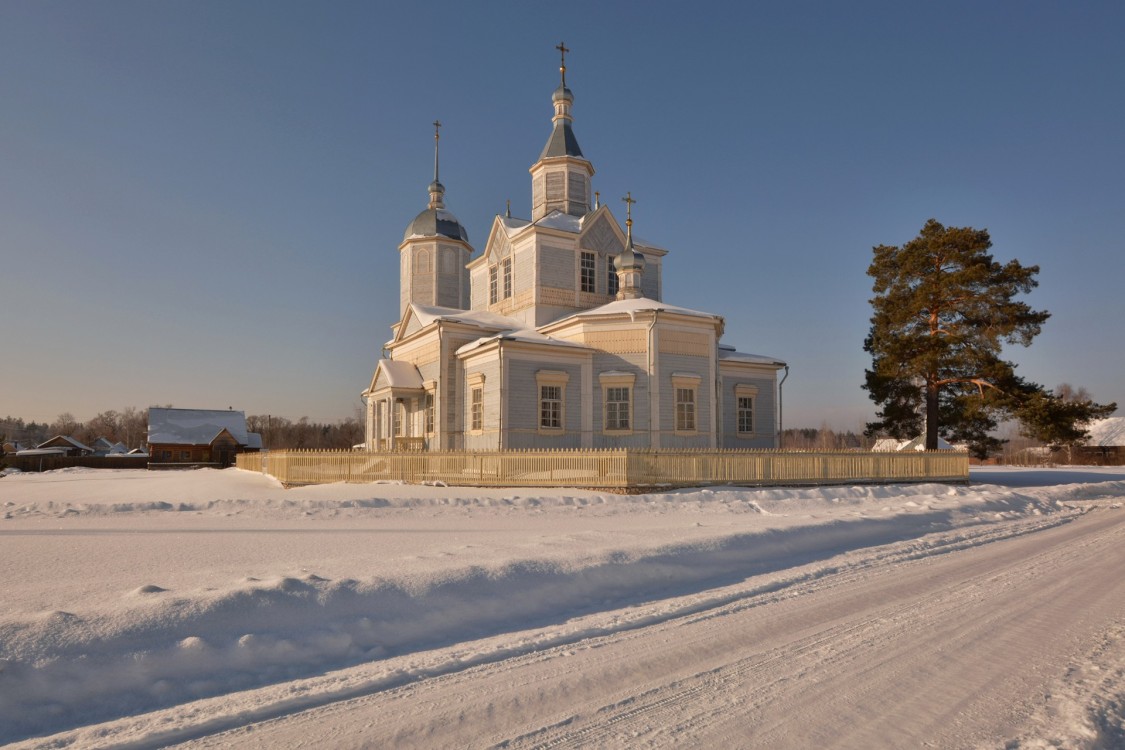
<point x="197" y="437"/>
<point x="66" y="445"/>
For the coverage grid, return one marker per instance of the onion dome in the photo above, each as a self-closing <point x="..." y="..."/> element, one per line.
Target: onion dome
<point x="435" y="220"/>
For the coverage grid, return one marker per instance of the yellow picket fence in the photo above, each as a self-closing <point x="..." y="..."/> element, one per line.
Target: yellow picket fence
<point x="623" y="469"/>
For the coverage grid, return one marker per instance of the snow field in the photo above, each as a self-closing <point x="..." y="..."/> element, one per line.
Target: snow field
<point x="130" y="592"/>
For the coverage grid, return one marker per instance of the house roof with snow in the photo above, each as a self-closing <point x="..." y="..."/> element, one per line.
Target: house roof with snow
<point x="65" y="441"/>
<point x="919" y="444"/>
<point x="194" y="426"/>
<point x="1108" y="432"/>
<point x="729" y="353"/>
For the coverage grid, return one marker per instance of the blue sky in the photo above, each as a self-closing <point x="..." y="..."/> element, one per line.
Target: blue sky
<point x="201" y="202"/>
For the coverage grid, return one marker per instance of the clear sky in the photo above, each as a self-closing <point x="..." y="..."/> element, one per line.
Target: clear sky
<point x="201" y="202"/>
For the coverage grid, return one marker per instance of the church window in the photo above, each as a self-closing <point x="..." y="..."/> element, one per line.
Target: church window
<point x="429" y="413"/>
<point x="745" y="414"/>
<point x="507" y="278"/>
<point x="589" y="272"/>
<point x="476" y="410"/>
<point x="744" y="394"/>
<point x="617" y="401"/>
<point x="423" y="261"/>
<point x="550" y="407"/>
<point x="493" y="292"/>
<point x="611" y="279"/>
<point x="685" y="410"/>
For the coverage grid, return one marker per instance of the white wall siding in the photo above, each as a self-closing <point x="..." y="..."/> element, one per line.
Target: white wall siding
<point x="765" y="411"/>
<point x="488" y="439"/>
<point x="522" y="407"/>
<point x="557" y="267"/>
<point x="636" y="364"/>
<point x="704" y="424"/>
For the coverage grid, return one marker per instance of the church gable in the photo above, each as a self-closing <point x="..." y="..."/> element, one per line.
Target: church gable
<point x="498" y="245"/>
<point x="603" y="235"/>
<point x="410" y="324"/>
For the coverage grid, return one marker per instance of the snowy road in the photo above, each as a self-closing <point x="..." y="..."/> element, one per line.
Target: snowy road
<point x="898" y="648"/>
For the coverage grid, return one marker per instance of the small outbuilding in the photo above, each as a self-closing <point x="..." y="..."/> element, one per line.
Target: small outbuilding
<point x="66" y="445"/>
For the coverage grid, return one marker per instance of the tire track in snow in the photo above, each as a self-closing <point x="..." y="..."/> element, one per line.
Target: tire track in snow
<point x="688" y="710"/>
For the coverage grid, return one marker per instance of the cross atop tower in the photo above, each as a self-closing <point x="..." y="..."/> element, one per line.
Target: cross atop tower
<point x="437" y="136"/>
<point x="629" y="201"/>
<point x="562" y="48"/>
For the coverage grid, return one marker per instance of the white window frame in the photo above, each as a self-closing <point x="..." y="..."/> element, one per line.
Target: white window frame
<point x="609" y="382"/>
<point x="493" y="285"/>
<point x="476" y="403"/>
<point x="588" y="272"/>
<point x="612" y="281"/>
<point x="686" y="410"/>
<point x="429" y="410"/>
<point x="507" y="278"/>
<point x="551" y="379"/>
<point x="749" y="392"/>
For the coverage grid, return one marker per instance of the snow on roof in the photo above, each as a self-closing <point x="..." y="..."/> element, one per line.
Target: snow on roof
<point x="400" y="374"/>
<point x="730" y="355"/>
<point x="528" y="335"/>
<point x="427" y="314"/>
<point x="1108" y="432"/>
<point x="66" y="439"/>
<point x="630" y="306"/>
<point x="194" y="426"/>
<point x="512" y="225"/>
<point x="888" y="445"/>
<point x="558" y="220"/>
<point x="253" y="440"/>
<point x="919" y="444"/>
<point x="42" y="452"/>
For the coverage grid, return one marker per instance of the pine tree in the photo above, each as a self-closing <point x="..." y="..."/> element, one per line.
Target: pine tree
<point x="943" y="308"/>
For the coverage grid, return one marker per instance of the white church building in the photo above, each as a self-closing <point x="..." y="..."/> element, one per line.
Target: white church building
<point x="556" y="336"/>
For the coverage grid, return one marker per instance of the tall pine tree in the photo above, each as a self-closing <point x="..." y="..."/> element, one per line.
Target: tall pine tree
<point x="943" y="308"/>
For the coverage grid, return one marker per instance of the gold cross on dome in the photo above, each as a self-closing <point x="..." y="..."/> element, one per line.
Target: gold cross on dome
<point x="629" y="201"/>
<point x="562" y="48"/>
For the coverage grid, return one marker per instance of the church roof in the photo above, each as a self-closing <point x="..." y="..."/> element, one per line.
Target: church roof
<point x="427" y="314"/>
<point x="526" y="335"/>
<point x="562" y="142"/>
<point x="639" y="304"/>
<point x="436" y="222"/>
<point x="729" y="353"/>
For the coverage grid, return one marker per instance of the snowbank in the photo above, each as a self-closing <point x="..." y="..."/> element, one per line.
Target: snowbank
<point x="128" y="591"/>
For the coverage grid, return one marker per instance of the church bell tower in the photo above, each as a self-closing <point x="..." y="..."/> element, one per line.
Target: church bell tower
<point x="561" y="178"/>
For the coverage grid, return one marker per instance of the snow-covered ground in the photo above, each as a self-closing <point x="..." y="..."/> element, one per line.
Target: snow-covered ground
<point x="215" y="608"/>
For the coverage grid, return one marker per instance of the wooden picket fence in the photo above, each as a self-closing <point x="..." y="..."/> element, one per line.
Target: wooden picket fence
<point x="624" y="469"/>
